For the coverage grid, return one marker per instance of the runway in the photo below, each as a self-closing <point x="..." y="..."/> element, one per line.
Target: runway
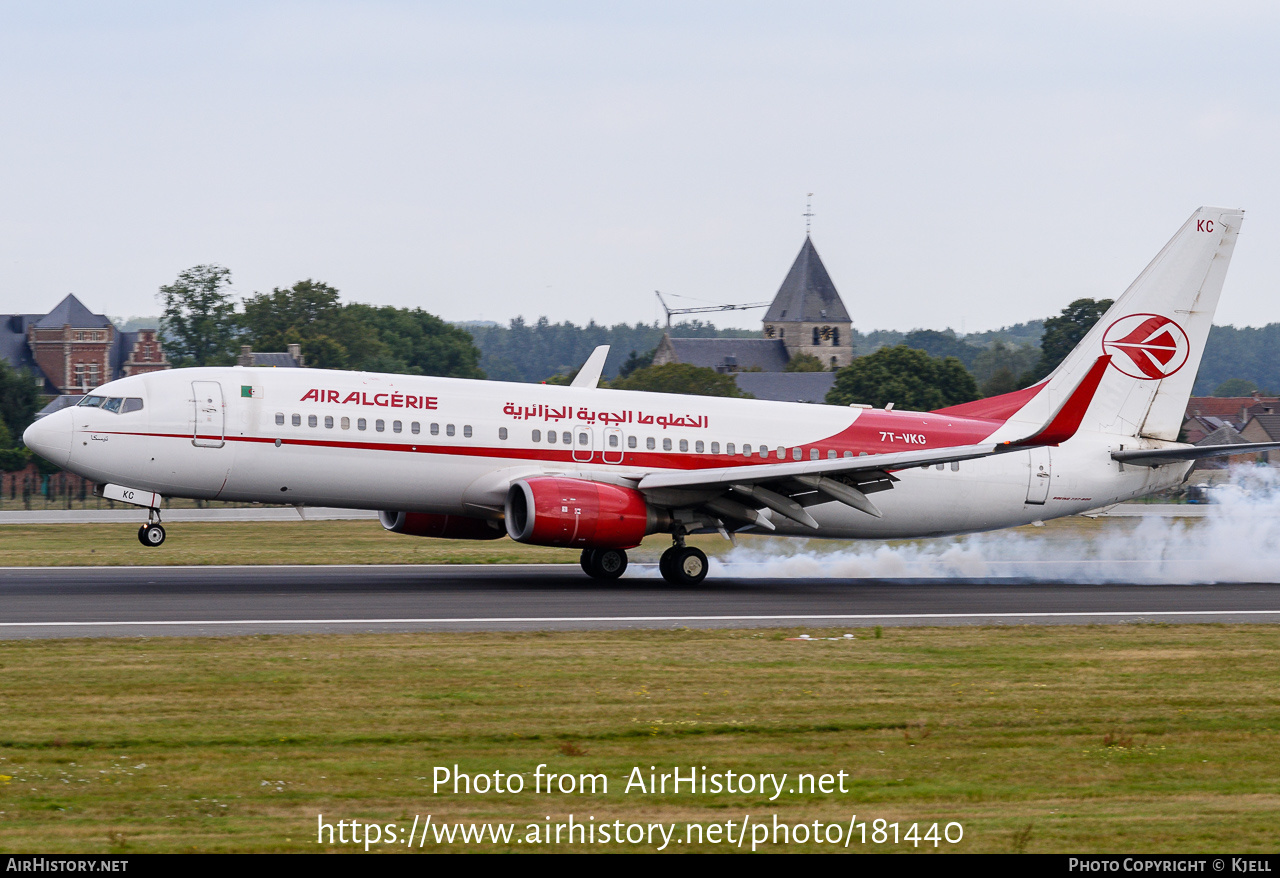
<point x="220" y="601"/>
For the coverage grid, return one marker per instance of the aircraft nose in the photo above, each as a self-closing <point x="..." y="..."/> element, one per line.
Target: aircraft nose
<point x="50" y="437"/>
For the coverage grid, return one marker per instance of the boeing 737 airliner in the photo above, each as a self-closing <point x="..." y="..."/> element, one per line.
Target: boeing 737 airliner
<point x="600" y="469"/>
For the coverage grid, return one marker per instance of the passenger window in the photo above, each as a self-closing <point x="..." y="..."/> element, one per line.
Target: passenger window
<point x="297" y="420"/>
<point x="715" y="448"/>
<point x="312" y="421"/>
<point x="848" y="454"/>
<point x="764" y="451"/>
<point x="831" y="454"/>
<point x="131" y="404"/>
<point x="449" y="430"/>
<point x="551" y="437"/>
<point x="537" y="435"/>
<point x="666" y="444"/>
<point x="631" y="441"/>
<point x="279" y="419"/>
<point x="466" y="431"/>
<point x="955" y="466"/>
<point x="346" y="423"/>
<point x="362" y="424"/>
<point x="435" y="429"/>
<point x="566" y="437"/>
<point x="813" y="454"/>
<point x="796" y="453"/>
<point x="415" y="428"/>
<point x="746" y="450"/>
<point x="684" y="444"/>
<point x="397" y="427"/>
<point x="698" y="447"/>
<point x="328" y="422"/>
<point x="502" y="433"/>
<point x="730" y="449"/>
<point x="649" y="443"/>
<point x="940" y="467"/>
<point x="380" y="425"/>
<point x="782" y="453"/>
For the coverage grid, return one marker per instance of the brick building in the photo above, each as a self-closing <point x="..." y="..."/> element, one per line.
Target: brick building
<point x="72" y="350"/>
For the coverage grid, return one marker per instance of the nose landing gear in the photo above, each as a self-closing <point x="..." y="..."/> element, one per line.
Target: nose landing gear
<point x="152" y="533"/>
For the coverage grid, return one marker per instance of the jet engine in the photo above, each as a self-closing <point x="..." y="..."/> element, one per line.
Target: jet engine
<point x="575" y="513"/>
<point x="449" y="527"/>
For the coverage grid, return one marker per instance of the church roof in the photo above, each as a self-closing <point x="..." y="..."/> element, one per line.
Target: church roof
<point x="730" y="354"/>
<point x="70" y="312"/>
<point x="807" y="294"/>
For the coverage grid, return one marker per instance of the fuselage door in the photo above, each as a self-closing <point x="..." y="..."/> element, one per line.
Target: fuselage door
<point x="1038" y="482"/>
<point x="583" y="443"/>
<point x="210" y="414"/>
<point x="612" y="451"/>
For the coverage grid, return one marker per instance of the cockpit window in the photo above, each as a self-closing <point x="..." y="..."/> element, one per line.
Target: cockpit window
<point x="116" y="404"/>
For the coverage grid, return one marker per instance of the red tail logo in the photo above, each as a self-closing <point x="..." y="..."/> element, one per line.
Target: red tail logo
<point x="1146" y="346"/>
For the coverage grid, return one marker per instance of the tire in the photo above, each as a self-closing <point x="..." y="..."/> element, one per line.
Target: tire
<point x="687" y="566"/>
<point x="588" y="562"/>
<point x="151" y="535"/>
<point x="611" y="563"/>
<point x="665" y="564"/>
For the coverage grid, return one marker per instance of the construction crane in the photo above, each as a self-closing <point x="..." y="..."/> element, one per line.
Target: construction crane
<point x="706" y="308"/>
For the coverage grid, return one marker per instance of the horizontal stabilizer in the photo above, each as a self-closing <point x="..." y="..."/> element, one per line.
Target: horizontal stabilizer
<point x="1162" y="456"/>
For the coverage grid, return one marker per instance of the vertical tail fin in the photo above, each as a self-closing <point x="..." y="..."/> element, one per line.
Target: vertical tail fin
<point x="1155" y="335"/>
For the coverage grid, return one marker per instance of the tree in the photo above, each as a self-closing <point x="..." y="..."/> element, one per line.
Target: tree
<point x="907" y="377"/>
<point x="1235" y="387"/>
<point x="1063" y="333"/>
<point x="199" y="321"/>
<point x="942" y="344"/>
<point x="309" y="314"/>
<point x="19" y="401"/>
<point x="680" y="378"/>
<point x="997" y="368"/>
<point x="412" y="341"/>
<point x="804" y="363"/>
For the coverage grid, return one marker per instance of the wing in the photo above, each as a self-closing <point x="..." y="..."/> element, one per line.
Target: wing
<point x="741" y="492"/>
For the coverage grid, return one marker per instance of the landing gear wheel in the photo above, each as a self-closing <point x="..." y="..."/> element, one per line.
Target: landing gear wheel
<point x="683" y="565"/>
<point x="604" y="563"/>
<point x="151" y="535"/>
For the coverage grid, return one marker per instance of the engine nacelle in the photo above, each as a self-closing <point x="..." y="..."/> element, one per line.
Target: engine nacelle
<point x="449" y="527"/>
<point x="551" y="511"/>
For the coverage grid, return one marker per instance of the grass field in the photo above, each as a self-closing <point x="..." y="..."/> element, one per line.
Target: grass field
<point x="358" y="542"/>
<point x="1068" y="739"/>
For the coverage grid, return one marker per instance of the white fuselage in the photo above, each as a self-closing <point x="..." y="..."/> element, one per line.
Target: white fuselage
<point x="443" y="445"/>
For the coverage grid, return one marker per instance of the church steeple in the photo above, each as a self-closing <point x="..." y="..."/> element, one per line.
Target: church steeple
<point x="808" y="313"/>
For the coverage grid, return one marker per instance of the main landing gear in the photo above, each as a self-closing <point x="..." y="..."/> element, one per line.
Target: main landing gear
<point x="604" y="563"/>
<point x="679" y="565"/>
<point x="151" y="534"/>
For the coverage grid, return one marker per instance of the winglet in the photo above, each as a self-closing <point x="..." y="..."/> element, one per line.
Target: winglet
<point x="1066" y="420"/>
<point x="589" y="374"/>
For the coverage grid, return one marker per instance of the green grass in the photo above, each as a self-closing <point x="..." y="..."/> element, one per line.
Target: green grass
<point x="1069" y="739"/>
<point x="361" y="542"/>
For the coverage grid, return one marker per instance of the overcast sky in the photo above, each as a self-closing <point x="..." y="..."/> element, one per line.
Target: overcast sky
<point x="973" y="164"/>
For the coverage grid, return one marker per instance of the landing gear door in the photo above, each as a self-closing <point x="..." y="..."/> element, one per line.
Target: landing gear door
<point x="210" y="414"/>
<point x="1040" y="477"/>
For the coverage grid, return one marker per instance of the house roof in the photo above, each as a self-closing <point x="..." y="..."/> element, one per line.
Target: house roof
<point x="71" y="312"/>
<point x="731" y="354"/>
<point x="786" y="386"/>
<point x="1230" y="408"/>
<point x="1224" y="435"/>
<point x="807" y="294"/>
<point x="1270" y="425"/>
<point x="277" y="360"/>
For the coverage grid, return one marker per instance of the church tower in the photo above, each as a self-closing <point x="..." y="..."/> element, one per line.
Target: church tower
<point x="808" y="316"/>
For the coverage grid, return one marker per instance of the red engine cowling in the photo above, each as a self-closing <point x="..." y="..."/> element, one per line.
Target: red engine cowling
<point x="449" y="527"/>
<point x="550" y="511"/>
